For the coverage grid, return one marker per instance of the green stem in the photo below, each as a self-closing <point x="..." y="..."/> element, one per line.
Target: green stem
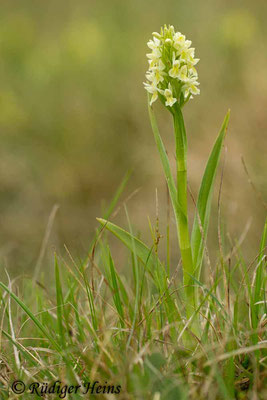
<point x="183" y="230"/>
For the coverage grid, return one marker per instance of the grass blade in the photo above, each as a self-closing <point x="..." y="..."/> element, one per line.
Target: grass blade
<point x="59" y="305"/>
<point x="33" y="318"/>
<point x="143" y="252"/>
<point x="259" y="283"/>
<point x="90" y="297"/>
<point x="117" y="195"/>
<point x="113" y="203"/>
<point x="27" y="355"/>
<point x="116" y="290"/>
<point x="205" y="197"/>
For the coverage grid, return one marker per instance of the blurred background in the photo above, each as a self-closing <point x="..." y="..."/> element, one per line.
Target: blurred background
<point x="73" y="118"/>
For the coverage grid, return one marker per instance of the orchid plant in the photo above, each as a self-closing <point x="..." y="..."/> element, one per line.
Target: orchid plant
<point x="173" y="79"/>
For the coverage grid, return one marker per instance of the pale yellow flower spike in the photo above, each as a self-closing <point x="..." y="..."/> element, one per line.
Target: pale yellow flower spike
<point x="171" y="75"/>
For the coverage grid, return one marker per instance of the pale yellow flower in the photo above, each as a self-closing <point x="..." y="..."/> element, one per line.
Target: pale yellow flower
<point x="174" y="71"/>
<point x="183" y="74"/>
<point x="191" y="89"/>
<point x="152" y="89"/>
<point x="167" y="93"/>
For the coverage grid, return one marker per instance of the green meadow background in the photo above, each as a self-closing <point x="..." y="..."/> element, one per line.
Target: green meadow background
<point x="73" y="118"/>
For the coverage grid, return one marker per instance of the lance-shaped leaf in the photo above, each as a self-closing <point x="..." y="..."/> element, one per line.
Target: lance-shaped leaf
<point x="202" y="214"/>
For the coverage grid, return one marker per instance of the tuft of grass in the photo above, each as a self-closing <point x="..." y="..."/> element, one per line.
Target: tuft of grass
<point x="127" y="328"/>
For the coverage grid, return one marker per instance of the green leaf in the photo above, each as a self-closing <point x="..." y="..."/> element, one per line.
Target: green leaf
<point x="142" y="251"/>
<point x="205" y="197"/>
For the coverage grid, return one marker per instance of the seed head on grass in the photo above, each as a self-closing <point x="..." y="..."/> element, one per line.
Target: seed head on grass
<point x="171" y="76"/>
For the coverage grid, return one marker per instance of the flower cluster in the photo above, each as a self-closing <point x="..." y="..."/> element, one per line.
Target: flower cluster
<point x="171" y="75"/>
